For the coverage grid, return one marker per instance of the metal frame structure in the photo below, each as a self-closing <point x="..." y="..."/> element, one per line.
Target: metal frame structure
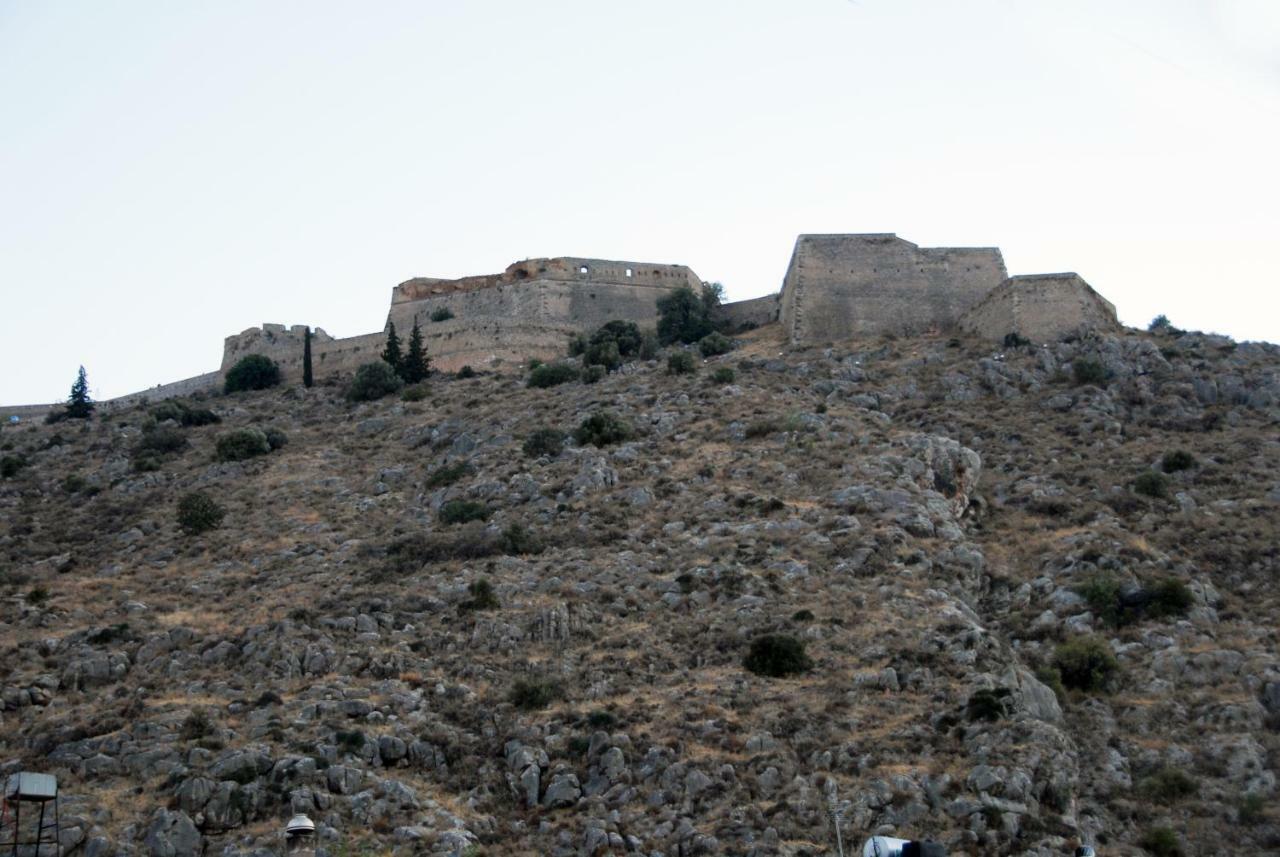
<point x="23" y="788"/>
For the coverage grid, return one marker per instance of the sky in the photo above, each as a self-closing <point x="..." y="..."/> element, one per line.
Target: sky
<point x="175" y="172"/>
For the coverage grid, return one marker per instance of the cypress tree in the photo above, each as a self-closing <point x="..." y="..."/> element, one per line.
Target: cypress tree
<point x="79" y="405"/>
<point x="416" y="363"/>
<point x="306" y="359"/>
<point x="391" y="354"/>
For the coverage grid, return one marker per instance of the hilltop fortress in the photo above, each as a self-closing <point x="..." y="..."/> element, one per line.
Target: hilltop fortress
<point x="836" y="287"/>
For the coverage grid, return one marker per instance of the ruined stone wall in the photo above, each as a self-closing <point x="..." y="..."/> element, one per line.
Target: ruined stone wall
<point x="206" y="383"/>
<point x="1042" y="308"/>
<point x="842" y="286"/>
<point x="285" y="345"/>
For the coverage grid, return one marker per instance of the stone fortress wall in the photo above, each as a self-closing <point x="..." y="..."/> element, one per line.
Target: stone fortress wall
<point x="1041" y="308"/>
<point x="836" y="287"/>
<point x="842" y="286"/>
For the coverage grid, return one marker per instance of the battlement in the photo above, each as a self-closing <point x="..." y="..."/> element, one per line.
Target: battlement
<point x="561" y="269"/>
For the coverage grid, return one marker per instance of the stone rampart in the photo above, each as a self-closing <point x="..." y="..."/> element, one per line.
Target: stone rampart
<point x="1041" y="308"/>
<point x="842" y="286"/>
<point x="748" y="314"/>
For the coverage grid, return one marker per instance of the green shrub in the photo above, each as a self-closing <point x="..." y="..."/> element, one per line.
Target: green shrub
<point x="1015" y="340"/>
<point x="1105" y="597"/>
<point x="1167" y="785"/>
<point x="414" y="393"/>
<point x="462" y="511"/>
<point x="448" y="474"/>
<point x="517" y="540"/>
<point x="1051" y="678"/>
<point x="182" y="413"/>
<point x="441" y="314"/>
<point x="802" y="616"/>
<point x="577" y="345"/>
<point x="74" y="484"/>
<point x="762" y="428"/>
<point x="1088" y="372"/>
<point x="276" y="439"/>
<point x="777" y="656"/>
<point x="530" y="694"/>
<point x="10" y="465"/>
<point x="602" y="429"/>
<point x="242" y="444"/>
<point x="604" y="354"/>
<point x="373" y="381"/>
<point x="724" y="375"/>
<point x="1161" y="842"/>
<point x="252" y="372"/>
<point x="37" y="596"/>
<point x="1160" y="324"/>
<point x="684" y="316"/>
<point x="466" y="372"/>
<point x="1177" y="460"/>
<point x="198" y="513"/>
<point x="600" y="719"/>
<point x="1152" y="484"/>
<point x="650" y="345"/>
<point x="989" y="704"/>
<point x="1086" y="663"/>
<point x="160" y="440"/>
<point x="1253" y="809"/>
<point x="1169" y="597"/>
<point x="544" y="441"/>
<point x="197" y="725"/>
<point x="680" y="363"/>
<point x="593" y="374"/>
<point x="482" y="597"/>
<point x="715" y="343"/>
<point x="553" y="374"/>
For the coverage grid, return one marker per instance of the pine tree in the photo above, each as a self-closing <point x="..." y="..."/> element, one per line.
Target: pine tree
<point x="416" y="364"/>
<point x="79" y="405"/>
<point x="306" y="359"/>
<point x="391" y="354"/>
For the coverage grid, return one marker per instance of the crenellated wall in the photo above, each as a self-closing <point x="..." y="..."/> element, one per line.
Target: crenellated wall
<point x="842" y="286"/>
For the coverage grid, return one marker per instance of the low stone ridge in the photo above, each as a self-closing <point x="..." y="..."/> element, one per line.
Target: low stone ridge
<point x="1041" y="308"/>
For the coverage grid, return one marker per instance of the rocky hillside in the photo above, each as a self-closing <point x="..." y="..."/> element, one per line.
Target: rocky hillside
<point x="1035" y="590"/>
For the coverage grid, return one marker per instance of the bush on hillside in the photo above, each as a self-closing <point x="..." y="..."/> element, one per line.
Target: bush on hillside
<point x="10" y="465"/>
<point x="1177" y="460"/>
<point x="1015" y="340"/>
<point x="593" y="374"/>
<point x="183" y="414"/>
<point x="602" y="429"/>
<point x="680" y="363"/>
<point x="252" y="372"/>
<point x="683" y="316"/>
<point x="373" y="381"/>
<point x="625" y="335"/>
<point x="723" y="375"/>
<point x="441" y="314"/>
<point x="242" y="444"/>
<point x="1089" y="372"/>
<point x="160" y="440"/>
<point x="1168" y="784"/>
<point x="553" y="374"/>
<point x="198" y="513"/>
<point x="530" y="694"/>
<point x="1152" y="484"/>
<point x="482" y="597"/>
<point x="462" y="511"/>
<point x="604" y="354"/>
<point x="448" y="474"/>
<point x="1086" y="663"/>
<point x="1161" y="842"/>
<point x="276" y="439"/>
<point x="777" y="656"/>
<point x="544" y="441"/>
<point x="715" y="343"/>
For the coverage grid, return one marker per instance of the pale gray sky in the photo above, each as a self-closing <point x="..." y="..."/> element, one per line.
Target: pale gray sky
<point x="173" y="172"/>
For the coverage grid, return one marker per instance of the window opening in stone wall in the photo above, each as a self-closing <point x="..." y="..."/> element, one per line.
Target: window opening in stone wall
<point x="629" y="272"/>
<point x="583" y="270"/>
